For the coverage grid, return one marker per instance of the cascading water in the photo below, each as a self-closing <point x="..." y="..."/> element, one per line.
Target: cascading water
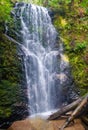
<point x="46" y="70"/>
<point x="38" y="37"/>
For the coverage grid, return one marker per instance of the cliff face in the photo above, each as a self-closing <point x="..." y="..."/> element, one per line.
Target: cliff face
<point x="70" y="19"/>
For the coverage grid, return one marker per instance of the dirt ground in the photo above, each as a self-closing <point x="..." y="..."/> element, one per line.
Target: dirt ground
<point x="40" y="124"/>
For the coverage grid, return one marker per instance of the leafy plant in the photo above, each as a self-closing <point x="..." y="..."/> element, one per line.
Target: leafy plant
<point x="5" y="8"/>
<point x="80" y="46"/>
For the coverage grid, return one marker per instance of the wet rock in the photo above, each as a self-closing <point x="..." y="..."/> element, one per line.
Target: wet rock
<point x="51" y="13"/>
<point x="20" y="4"/>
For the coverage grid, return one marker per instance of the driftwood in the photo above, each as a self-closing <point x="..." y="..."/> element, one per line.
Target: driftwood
<point x="85" y="120"/>
<point x="65" y="109"/>
<point x="75" y="112"/>
<point x="78" y="107"/>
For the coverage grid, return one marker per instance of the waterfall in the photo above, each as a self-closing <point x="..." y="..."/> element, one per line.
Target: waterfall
<point x="46" y="67"/>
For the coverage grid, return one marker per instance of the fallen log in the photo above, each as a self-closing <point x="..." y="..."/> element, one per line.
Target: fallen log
<point x="65" y="109"/>
<point x="75" y="112"/>
<point x="85" y="120"/>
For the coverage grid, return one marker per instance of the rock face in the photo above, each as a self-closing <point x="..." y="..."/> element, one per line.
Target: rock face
<point x="40" y="124"/>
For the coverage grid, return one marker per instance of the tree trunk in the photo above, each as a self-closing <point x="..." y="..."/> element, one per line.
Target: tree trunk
<point x="75" y="112"/>
<point x="65" y="109"/>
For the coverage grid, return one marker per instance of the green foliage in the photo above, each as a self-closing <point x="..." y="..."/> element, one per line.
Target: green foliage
<point x="84" y="3"/>
<point x="5" y="8"/>
<point x="10" y="64"/>
<point x="79" y="72"/>
<point x="5" y="101"/>
<point x="10" y="76"/>
<point x="53" y="3"/>
<point x="5" y="112"/>
<point x="8" y="95"/>
<point x="37" y="2"/>
<point x="80" y="46"/>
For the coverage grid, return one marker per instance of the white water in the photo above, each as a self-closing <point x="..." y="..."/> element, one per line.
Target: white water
<point x="39" y="60"/>
<point x="45" y="67"/>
